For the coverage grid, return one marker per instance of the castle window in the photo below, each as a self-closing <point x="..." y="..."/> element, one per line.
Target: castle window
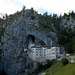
<point x="44" y="54"/>
<point x="40" y="54"/>
<point x="36" y="51"/>
<point x="36" y="54"/>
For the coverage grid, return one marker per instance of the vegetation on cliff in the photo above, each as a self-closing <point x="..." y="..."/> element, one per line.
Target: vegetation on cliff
<point x="48" y="23"/>
<point x="66" y="35"/>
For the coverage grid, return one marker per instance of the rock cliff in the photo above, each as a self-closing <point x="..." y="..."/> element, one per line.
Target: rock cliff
<point x="22" y="30"/>
<point x="17" y="36"/>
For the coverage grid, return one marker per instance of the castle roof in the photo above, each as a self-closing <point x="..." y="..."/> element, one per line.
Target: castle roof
<point x="36" y="46"/>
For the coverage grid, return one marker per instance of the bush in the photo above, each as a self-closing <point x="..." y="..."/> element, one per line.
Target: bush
<point x="49" y="64"/>
<point x="64" y="61"/>
<point x="32" y="17"/>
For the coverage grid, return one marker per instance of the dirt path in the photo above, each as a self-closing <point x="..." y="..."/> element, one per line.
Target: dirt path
<point x="42" y="73"/>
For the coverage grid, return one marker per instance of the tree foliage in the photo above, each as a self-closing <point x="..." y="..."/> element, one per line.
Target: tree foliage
<point x="73" y="44"/>
<point x="1" y="31"/>
<point x="47" y="23"/>
<point x="64" y="61"/>
<point x="65" y="38"/>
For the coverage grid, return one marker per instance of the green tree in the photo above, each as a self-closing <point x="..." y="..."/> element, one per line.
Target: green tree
<point x="64" y="61"/>
<point x="1" y="31"/>
<point x="73" y="44"/>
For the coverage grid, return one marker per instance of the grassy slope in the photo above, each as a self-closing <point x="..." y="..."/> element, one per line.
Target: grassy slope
<point x="59" y="69"/>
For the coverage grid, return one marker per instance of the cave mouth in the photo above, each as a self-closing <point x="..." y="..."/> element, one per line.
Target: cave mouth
<point x="32" y="38"/>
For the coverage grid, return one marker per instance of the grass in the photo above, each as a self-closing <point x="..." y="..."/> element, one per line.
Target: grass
<point x="59" y="69"/>
<point x="72" y="54"/>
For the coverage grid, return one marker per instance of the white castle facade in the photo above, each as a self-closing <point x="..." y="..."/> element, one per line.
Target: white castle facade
<point x="41" y="54"/>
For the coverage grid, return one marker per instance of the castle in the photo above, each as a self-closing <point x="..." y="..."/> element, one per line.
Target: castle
<point x="41" y="54"/>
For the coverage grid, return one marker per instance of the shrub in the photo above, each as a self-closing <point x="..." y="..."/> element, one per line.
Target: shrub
<point x="3" y="72"/>
<point x="64" y="61"/>
<point x="32" y="17"/>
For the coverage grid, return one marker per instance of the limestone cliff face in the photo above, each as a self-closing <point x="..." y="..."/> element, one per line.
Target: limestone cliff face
<point x="23" y="32"/>
<point x="68" y="23"/>
<point x="17" y="37"/>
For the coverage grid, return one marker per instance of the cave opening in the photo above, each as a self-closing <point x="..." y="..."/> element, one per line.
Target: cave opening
<point x="31" y="38"/>
<point x="34" y="41"/>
